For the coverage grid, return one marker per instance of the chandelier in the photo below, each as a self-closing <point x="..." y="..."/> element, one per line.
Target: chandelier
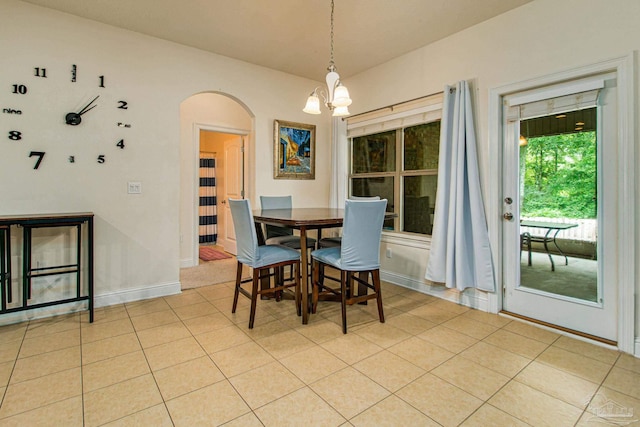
<point x="336" y="97"/>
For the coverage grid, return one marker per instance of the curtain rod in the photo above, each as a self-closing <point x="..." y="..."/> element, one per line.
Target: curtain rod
<point x="451" y="90"/>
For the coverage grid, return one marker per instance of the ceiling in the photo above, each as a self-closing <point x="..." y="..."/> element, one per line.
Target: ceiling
<point x="559" y="124"/>
<point x="293" y="35"/>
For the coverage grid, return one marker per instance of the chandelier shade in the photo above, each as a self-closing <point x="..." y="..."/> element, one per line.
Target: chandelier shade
<point x="313" y="104"/>
<point x="341" y="96"/>
<point x="341" y="111"/>
<point x="336" y="96"/>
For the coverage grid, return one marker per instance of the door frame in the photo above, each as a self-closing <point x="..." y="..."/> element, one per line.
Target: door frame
<point x="624" y="69"/>
<point x="197" y="127"/>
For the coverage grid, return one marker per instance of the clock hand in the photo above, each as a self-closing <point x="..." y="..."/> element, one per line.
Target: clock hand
<point x="84" y="110"/>
<point x="75" y="119"/>
<point x="86" y="107"/>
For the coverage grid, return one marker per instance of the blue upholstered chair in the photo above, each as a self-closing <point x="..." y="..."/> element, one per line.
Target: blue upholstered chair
<point x="276" y="235"/>
<point x="330" y="242"/>
<point x="260" y="258"/>
<point x="358" y="253"/>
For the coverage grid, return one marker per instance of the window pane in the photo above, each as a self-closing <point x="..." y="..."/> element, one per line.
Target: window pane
<point x="419" y="202"/>
<point x="558" y="183"/>
<point x="421" y="146"/>
<point x="383" y="187"/>
<point x="374" y="153"/>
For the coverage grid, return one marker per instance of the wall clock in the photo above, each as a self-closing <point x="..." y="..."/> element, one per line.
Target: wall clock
<point x="65" y="113"/>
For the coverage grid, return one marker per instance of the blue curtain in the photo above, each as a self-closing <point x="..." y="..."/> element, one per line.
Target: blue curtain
<point x="460" y="255"/>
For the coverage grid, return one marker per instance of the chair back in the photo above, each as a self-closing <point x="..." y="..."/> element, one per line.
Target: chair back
<point x="246" y="236"/>
<point x="364" y="198"/>
<point x="361" y="233"/>
<point x="276" y="202"/>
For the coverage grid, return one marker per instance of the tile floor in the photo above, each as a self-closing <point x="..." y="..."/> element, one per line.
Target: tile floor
<point x="185" y="360"/>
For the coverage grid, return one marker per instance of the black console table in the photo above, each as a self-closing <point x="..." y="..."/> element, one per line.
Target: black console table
<point x="28" y="223"/>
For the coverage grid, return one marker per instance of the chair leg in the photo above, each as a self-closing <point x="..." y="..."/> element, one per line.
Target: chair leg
<point x="375" y="275"/>
<point x="362" y="289"/>
<point x="254" y="296"/>
<point x="320" y="268"/>
<point x="237" y="290"/>
<point x="296" y="272"/>
<point x="315" y="286"/>
<point x="278" y="280"/>
<point x="345" y="276"/>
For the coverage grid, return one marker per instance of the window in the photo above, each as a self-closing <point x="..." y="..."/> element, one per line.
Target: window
<point x="400" y="164"/>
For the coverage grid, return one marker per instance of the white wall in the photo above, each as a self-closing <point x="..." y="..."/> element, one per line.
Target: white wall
<point x="137" y="250"/>
<point x="541" y="38"/>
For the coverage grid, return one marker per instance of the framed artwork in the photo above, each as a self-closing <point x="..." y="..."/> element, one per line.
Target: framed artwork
<point x="294" y="150"/>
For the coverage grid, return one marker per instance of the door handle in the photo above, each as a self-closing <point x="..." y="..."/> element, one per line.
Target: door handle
<point x="508" y="216"/>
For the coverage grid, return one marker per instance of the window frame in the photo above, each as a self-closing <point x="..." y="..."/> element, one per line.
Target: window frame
<point x="433" y="114"/>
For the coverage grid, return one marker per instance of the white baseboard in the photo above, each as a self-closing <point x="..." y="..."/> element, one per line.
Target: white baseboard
<point x="188" y="262"/>
<point x="118" y="297"/>
<point x="39" y="313"/>
<point x="136" y="294"/>
<point x="469" y="298"/>
<point x="637" y="349"/>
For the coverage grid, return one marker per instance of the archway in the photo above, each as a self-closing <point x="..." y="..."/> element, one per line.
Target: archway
<point x="210" y="112"/>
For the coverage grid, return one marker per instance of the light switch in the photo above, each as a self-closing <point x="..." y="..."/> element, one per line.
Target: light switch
<point x="134" y="187"/>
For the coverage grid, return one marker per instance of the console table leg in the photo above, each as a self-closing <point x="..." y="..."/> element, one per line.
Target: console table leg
<point x="5" y="262"/>
<point x="90" y="265"/>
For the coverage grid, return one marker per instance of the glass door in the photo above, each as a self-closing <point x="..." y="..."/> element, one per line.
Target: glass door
<point x="560" y="215"/>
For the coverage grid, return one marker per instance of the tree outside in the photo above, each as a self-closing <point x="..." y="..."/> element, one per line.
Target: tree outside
<point x="559" y="176"/>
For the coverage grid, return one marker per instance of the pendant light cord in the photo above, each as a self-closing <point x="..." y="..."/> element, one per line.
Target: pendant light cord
<point x="331" y="63"/>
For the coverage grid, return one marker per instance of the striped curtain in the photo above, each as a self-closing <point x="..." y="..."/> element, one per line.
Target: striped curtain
<point x="208" y="210"/>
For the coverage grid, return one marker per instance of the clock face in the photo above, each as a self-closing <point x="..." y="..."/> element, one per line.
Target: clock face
<point x="58" y="115"/>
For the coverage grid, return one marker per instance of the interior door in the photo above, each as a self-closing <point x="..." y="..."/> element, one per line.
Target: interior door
<point x="541" y="289"/>
<point x="233" y="188"/>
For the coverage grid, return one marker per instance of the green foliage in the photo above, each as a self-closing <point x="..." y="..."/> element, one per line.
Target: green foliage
<point x="559" y="176"/>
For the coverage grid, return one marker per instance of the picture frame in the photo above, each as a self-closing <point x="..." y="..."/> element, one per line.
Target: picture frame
<point x="294" y="150"/>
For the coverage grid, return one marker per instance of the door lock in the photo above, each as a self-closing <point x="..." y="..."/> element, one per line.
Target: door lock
<point x="508" y="216"/>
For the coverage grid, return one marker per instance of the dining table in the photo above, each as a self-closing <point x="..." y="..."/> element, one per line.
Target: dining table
<point x="302" y="219"/>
